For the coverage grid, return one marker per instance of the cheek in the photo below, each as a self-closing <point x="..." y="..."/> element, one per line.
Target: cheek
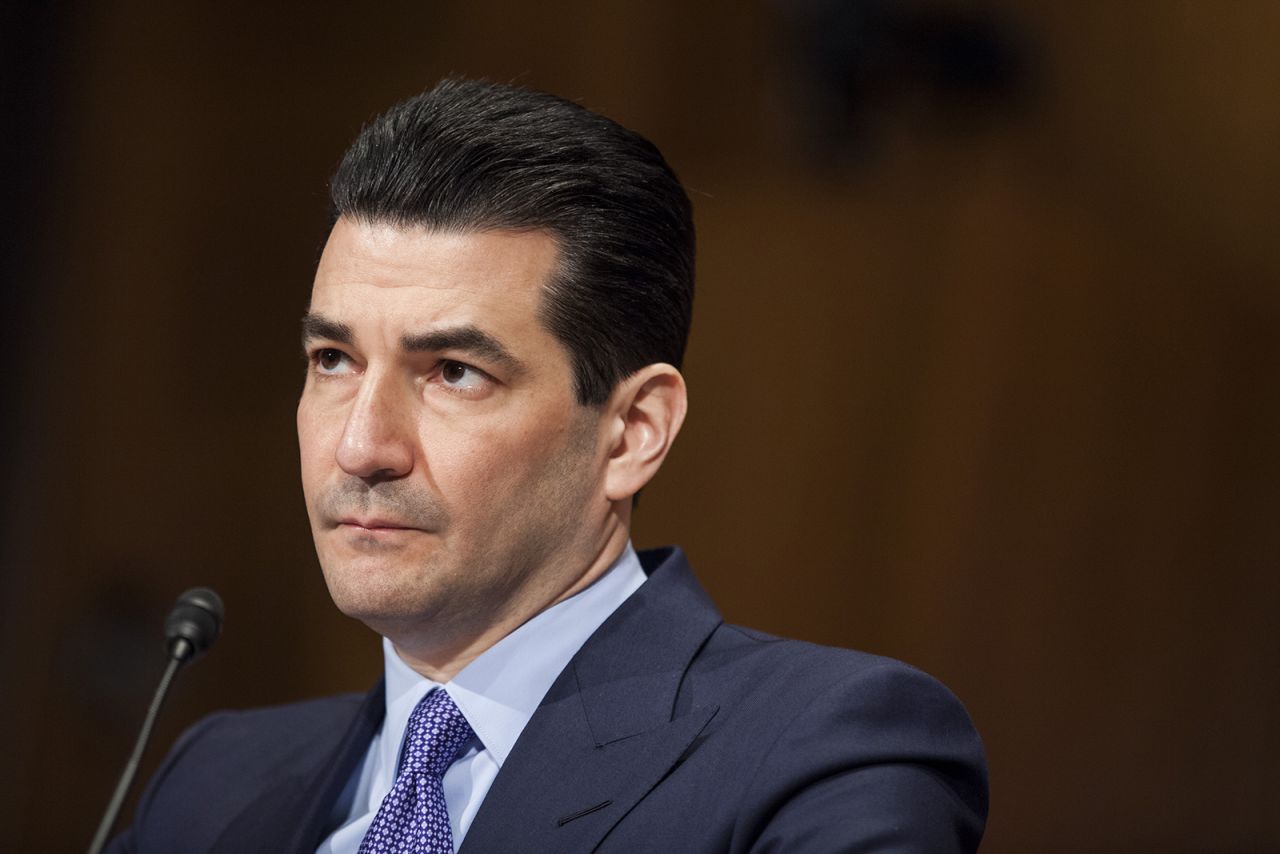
<point x="316" y="445"/>
<point x="473" y="469"/>
<point x="495" y="468"/>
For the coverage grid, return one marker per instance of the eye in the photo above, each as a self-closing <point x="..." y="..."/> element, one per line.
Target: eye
<point x="460" y="376"/>
<point x="329" y="361"/>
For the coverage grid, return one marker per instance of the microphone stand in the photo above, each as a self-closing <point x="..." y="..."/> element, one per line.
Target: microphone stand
<point x="181" y="652"/>
<point x="193" y="624"/>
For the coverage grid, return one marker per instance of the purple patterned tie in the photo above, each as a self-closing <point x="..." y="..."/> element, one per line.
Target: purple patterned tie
<point x="413" y="817"/>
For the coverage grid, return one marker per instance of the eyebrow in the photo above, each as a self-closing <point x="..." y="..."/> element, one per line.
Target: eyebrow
<point x="318" y="326"/>
<point x="466" y="338"/>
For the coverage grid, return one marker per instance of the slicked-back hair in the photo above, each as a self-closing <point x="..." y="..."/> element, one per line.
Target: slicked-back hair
<point x="476" y="156"/>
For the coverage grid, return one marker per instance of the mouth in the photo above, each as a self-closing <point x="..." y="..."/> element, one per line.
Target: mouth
<point x="374" y="525"/>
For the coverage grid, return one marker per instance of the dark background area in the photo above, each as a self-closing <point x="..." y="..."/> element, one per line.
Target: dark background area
<point x="983" y="366"/>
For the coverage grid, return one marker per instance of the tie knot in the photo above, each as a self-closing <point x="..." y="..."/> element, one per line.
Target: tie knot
<point x="436" y="730"/>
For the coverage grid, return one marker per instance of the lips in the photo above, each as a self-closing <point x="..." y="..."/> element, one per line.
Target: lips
<point x="378" y="524"/>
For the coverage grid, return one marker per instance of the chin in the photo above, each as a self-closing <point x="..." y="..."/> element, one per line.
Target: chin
<point x="370" y="590"/>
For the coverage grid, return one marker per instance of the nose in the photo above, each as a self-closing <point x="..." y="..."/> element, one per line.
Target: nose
<point x="377" y="440"/>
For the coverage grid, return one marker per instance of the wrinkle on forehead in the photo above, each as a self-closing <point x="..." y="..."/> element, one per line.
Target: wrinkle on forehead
<point x="386" y="255"/>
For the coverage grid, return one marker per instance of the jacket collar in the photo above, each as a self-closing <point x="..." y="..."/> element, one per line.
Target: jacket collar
<point x="607" y="730"/>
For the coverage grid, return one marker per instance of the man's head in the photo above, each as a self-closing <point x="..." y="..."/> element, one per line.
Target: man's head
<point x="473" y="156"/>
<point x="492" y="338"/>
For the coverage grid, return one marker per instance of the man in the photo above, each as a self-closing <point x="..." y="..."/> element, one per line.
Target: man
<point x="494" y="341"/>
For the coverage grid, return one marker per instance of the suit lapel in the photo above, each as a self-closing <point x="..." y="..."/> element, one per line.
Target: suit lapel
<point x="606" y="732"/>
<point x="293" y="816"/>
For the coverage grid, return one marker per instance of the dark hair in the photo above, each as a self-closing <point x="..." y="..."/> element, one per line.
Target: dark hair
<point x="470" y="155"/>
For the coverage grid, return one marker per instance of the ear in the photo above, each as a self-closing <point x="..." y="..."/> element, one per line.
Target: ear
<point x="645" y="414"/>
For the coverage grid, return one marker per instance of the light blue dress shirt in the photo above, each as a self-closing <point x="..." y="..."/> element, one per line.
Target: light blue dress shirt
<point x="497" y="693"/>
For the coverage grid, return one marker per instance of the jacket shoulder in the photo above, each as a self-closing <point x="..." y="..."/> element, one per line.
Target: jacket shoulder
<point x="278" y="728"/>
<point x="272" y="737"/>
<point x="225" y="760"/>
<point x="763" y="662"/>
<point x="845" y="745"/>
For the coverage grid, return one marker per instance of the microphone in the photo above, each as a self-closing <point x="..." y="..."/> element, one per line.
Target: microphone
<point x="191" y="628"/>
<point x="193" y="624"/>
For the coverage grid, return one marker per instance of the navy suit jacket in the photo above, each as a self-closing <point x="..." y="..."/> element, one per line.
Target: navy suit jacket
<point x="669" y="731"/>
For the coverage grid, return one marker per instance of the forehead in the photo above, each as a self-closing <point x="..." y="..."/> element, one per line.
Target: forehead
<point x="413" y="276"/>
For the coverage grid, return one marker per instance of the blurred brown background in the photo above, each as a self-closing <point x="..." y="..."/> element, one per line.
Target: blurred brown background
<point x="983" y="367"/>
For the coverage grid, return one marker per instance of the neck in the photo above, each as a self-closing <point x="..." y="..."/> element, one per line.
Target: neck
<point x="441" y="659"/>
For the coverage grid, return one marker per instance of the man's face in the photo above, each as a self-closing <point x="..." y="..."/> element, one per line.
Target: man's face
<point x="451" y="477"/>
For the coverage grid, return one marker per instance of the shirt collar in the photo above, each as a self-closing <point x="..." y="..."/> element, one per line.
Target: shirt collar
<point x="499" y="691"/>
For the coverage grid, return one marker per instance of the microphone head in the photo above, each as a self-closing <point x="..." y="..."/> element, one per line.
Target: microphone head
<point x="193" y="624"/>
